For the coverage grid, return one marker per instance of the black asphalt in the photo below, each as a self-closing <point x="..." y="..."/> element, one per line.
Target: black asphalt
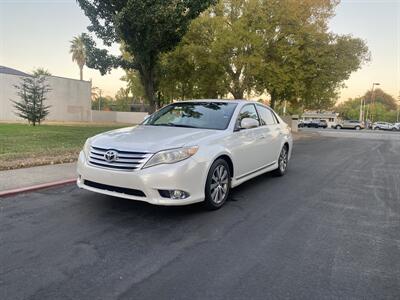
<point x="329" y="229"/>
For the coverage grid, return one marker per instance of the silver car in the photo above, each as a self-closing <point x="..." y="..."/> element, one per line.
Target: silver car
<point x="383" y="126"/>
<point x="349" y="124"/>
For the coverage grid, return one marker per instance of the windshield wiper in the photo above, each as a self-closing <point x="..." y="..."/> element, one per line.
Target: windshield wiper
<point x="174" y="125"/>
<point x="181" y="125"/>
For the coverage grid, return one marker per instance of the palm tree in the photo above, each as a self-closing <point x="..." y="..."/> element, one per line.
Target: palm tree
<point x="78" y="52"/>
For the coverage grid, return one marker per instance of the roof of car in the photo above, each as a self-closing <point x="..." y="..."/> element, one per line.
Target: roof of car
<point x="221" y="100"/>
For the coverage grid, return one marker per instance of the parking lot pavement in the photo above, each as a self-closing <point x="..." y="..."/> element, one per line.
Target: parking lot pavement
<point x="329" y="229"/>
<point x="348" y="133"/>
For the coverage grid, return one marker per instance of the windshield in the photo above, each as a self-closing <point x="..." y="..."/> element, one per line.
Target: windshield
<point x="206" y="115"/>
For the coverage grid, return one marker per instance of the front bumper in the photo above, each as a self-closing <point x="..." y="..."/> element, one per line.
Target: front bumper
<point x="188" y="175"/>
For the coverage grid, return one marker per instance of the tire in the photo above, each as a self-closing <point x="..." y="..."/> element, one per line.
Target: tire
<point x="283" y="162"/>
<point x="338" y="127"/>
<point x="393" y="129"/>
<point x="218" y="185"/>
<point x="358" y="128"/>
<point x="376" y="128"/>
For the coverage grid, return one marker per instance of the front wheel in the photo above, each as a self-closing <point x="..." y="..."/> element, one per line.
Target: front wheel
<point x="338" y="127"/>
<point x="358" y="128"/>
<point x="218" y="185"/>
<point x="283" y="162"/>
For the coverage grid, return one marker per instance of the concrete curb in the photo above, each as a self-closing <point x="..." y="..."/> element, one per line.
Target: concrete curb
<point x="32" y="188"/>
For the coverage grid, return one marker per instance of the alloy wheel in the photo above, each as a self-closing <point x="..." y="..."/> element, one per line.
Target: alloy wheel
<point x="283" y="160"/>
<point x="219" y="184"/>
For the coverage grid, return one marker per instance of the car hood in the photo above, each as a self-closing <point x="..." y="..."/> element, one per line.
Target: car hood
<point x="145" y="138"/>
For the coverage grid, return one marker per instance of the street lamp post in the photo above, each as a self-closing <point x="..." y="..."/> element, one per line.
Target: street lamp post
<point x="373" y="101"/>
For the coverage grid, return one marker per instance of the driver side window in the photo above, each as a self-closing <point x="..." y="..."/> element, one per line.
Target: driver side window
<point x="248" y="111"/>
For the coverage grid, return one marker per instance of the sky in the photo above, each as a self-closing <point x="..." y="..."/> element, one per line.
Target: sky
<point x="37" y="33"/>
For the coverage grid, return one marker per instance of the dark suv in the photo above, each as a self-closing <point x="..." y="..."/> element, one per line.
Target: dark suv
<point x="318" y="124"/>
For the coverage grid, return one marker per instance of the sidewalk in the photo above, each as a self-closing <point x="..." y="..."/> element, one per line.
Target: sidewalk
<point x="29" y="177"/>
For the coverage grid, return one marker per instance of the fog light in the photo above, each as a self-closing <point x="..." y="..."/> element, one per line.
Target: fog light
<point x="174" y="194"/>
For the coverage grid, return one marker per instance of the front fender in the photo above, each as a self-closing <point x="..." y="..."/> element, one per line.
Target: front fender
<point x="208" y="154"/>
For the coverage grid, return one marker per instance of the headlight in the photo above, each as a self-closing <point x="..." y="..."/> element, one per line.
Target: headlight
<point x="86" y="148"/>
<point x="171" y="156"/>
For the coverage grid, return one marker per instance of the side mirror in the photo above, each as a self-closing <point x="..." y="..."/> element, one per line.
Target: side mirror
<point x="248" y="123"/>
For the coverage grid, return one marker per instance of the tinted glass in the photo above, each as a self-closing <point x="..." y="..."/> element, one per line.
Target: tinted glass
<point x="266" y="115"/>
<point x="248" y="111"/>
<point x="207" y="115"/>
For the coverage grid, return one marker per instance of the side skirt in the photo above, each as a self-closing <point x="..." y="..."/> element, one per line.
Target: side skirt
<point x="267" y="168"/>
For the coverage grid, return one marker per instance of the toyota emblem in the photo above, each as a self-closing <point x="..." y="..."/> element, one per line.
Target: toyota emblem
<point x="111" y="155"/>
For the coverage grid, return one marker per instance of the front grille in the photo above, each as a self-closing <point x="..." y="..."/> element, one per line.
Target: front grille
<point x="112" y="188"/>
<point x="125" y="160"/>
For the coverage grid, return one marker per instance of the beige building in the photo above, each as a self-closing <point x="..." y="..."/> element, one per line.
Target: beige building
<point x="69" y="99"/>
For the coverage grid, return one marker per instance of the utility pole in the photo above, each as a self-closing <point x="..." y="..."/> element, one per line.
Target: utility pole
<point x="361" y="119"/>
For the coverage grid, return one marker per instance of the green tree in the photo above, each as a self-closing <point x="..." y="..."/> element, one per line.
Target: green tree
<point x="132" y="79"/>
<point x="103" y="103"/>
<point x="350" y="109"/>
<point x="380" y="107"/>
<point x="41" y="72"/>
<point x="305" y="64"/>
<point x="282" y="48"/>
<point x="147" y="28"/>
<point x="219" y="55"/>
<point x="32" y="92"/>
<point x="379" y="96"/>
<point x="122" y="100"/>
<point x="78" y="51"/>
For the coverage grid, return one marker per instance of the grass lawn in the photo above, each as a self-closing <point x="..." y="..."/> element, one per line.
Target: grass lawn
<point x="22" y="145"/>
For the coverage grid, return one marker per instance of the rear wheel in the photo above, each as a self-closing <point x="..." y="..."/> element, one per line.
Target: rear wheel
<point x="218" y="185"/>
<point x="282" y="162"/>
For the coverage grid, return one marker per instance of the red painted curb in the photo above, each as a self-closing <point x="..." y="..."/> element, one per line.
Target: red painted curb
<point x="36" y="187"/>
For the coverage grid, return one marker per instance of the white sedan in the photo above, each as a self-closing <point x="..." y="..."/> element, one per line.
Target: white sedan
<point x="187" y="152"/>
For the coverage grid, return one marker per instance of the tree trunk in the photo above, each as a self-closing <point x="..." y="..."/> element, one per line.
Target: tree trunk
<point x="273" y="100"/>
<point x="237" y="94"/>
<point x="147" y="77"/>
<point x="81" y="72"/>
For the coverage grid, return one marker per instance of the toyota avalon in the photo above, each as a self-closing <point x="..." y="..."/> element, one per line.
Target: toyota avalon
<point x="187" y="152"/>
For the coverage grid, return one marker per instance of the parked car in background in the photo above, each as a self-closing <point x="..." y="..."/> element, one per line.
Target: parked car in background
<point x="323" y="124"/>
<point x="383" y="126"/>
<point x="349" y="124"/>
<point x="303" y="124"/>
<point x="313" y="124"/>
<point x="318" y="124"/>
<point x="187" y="152"/>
